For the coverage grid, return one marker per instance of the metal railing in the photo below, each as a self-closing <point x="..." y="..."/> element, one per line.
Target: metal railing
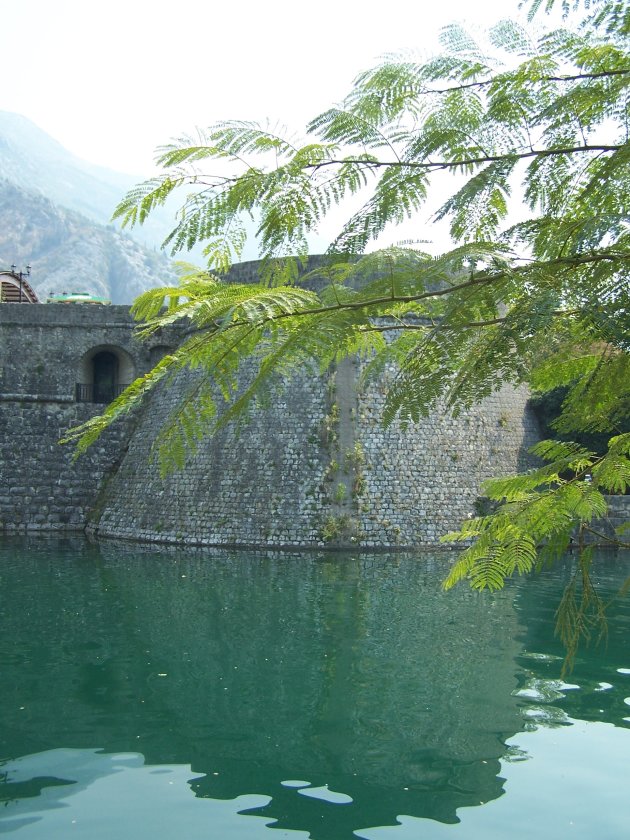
<point x="92" y="393"/>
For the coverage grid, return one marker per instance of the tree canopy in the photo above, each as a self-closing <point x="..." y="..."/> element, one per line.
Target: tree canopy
<point x="535" y="127"/>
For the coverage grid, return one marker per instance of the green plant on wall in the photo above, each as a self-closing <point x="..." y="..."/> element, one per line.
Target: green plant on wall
<point x="330" y="426"/>
<point x="334" y="527"/>
<point x="331" y="470"/>
<point x="341" y="492"/>
<point x="355" y="457"/>
<point x="359" y="484"/>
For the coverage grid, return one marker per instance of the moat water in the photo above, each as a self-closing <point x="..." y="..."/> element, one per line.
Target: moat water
<point x="150" y="694"/>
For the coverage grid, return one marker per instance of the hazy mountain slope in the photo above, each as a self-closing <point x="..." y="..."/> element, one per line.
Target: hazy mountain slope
<point x="69" y="252"/>
<point x="34" y="161"/>
<point x="50" y="203"/>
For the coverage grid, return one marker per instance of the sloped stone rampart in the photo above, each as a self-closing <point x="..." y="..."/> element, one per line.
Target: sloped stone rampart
<point x="318" y="469"/>
<point x="262" y="485"/>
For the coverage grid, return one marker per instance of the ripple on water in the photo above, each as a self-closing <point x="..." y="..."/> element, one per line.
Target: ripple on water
<point x="541" y="657"/>
<point x="544" y="691"/>
<point x="547" y="715"/>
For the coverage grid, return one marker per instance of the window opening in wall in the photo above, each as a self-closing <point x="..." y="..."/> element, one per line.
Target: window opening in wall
<point x="105" y="376"/>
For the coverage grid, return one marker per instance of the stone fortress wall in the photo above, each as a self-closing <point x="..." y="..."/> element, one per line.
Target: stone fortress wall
<point x="44" y="352"/>
<point x="315" y="469"/>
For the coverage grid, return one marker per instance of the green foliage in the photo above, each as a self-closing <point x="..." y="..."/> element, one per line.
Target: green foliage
<point x="581" y="612"/>
<point x="541" y="300"/>
<point x="341" y="491"/>
<point x="548" y="408"/>
<point x="335" y="527"/>
<point x="538" y="516"/>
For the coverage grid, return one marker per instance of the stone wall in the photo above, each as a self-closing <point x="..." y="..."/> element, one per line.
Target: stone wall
<point x="43" y="349"/>
<point x="265" y="484"/>
<point x="315" y="469"/>
<point x="41" y="487"/>
<point x="42" y="345"/>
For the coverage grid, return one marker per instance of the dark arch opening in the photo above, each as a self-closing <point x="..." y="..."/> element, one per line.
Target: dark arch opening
<point x="105" y="376"/>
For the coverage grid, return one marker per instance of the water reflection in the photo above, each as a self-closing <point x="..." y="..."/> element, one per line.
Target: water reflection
<point x="103" y="796"/>
<point x="355" y="677"/>
<point x="575" y="785"/>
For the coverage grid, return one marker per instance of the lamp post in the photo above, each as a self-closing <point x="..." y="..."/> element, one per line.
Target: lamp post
<point x="21" y="275"/>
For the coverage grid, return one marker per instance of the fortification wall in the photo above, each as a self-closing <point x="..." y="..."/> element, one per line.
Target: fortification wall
<point x="41" y="487"/>
<point x="317" y="469"/>
<point x="314" y="469"/>
<point x="44" y="351"/>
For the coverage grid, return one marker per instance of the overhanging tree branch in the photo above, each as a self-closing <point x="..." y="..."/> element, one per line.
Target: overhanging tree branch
<point x="549" y="319"/>
<point x="461" y="163"/>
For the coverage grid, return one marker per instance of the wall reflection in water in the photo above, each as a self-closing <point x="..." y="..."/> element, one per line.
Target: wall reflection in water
<point x="356" y="673"/>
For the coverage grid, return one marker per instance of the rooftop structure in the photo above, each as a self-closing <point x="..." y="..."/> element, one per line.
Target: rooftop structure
<point x="78" y="297"/>
<point x="15" y="286"/>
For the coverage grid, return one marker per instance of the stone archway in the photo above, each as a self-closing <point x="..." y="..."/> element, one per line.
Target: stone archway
<point x="104" y="373"/>
<point x="157" y="353"/>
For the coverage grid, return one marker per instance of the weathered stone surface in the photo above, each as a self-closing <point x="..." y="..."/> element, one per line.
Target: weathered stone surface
<point x="277" y="483"/>
<point x="41" y="353"/>
<point x="42" y="488"/>
<point x="315" y="469"/>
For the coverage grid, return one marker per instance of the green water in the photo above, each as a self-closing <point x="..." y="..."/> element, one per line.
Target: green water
<point x="154" y="693"/>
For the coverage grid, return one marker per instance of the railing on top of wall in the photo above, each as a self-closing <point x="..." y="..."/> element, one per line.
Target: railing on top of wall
<point x="97" y="393"/>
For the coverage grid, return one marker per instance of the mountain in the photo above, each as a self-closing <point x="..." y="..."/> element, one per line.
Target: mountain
<point x="34" y="161"/>
<point x="69" y="252"/>
<point x="55" y="212"/>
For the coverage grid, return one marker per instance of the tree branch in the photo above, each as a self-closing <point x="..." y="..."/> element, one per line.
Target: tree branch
<point x="466" y="325"/>
<point x="479" y="280"/>
<point x="445" y="164"/>
<point x="575" y="77"/>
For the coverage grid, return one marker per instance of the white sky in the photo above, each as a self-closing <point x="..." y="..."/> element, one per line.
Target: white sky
<point x="113" y="80"/>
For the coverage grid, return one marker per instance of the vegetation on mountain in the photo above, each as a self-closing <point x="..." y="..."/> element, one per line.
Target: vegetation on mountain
<point x="533" y="292"/>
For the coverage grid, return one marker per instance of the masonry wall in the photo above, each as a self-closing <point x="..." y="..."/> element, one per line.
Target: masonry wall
<point x="314" y="469"/>
<point x="317" y="469"/>
<point x="41" y="353"/>
<point x="41" y="488"/>
<point x="42" y="345"/>
<point x="265" y="484"/>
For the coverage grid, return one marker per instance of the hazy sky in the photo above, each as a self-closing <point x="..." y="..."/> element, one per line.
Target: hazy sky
<point x="113" y="80"/>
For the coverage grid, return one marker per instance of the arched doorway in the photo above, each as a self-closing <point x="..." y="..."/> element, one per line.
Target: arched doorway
<point x="103" y="374"/>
